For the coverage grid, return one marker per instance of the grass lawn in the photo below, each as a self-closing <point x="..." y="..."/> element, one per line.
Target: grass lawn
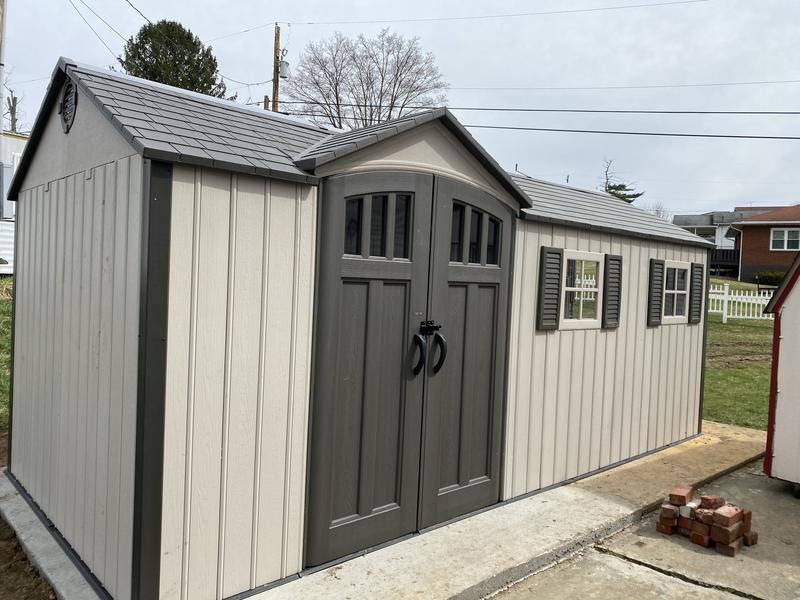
<point x="737" y="285"/>
<point x="738" y="372"/>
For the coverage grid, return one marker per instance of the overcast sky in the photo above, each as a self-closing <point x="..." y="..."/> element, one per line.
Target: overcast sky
<point x="694" y="43"/>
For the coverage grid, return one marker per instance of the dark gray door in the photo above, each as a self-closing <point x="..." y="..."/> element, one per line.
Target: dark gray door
<point x="406" y="420"/>
<point x="367" y="411"/>
<point x="465" y="387"/>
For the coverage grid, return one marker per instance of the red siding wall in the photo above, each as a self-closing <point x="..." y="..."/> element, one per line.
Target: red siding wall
<point x="756" y="253"/>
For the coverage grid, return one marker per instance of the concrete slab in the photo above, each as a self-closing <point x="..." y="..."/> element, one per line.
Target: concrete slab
<point x="771" y="569"/>
<point x="41" y="547"/>
<point x="596" y="575"/>
<point x="644" y="482"/>
<point x="481" y="554"/>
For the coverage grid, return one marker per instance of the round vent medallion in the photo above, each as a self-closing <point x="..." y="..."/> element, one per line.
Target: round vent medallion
<point x="69" y="103"/>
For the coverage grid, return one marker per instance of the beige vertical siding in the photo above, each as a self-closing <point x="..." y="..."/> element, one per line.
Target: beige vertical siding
<point x="786" y="445"/>
<point x="585" y="399"/>
<point x="76" y="357"/>
<point x="238" y="374"/>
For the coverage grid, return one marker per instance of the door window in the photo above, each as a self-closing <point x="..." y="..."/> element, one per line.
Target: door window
<point x="476" y="242"/>
<point x="352" y="226"/>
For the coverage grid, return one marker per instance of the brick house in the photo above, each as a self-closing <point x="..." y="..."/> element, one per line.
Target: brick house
<point x="768" y="241"/>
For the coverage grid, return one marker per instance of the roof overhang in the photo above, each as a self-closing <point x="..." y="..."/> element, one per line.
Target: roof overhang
<point x="789" y="223"/>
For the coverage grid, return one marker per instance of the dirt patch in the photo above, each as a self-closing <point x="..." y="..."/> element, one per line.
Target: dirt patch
<point x="18" y="577"/>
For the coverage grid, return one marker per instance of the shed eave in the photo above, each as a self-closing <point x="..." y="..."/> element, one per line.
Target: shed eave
<point x="700" y="242"/>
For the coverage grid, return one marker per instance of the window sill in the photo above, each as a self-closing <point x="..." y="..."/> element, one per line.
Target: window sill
<point x="675" y="320"/>
<point x="577" y="325"/>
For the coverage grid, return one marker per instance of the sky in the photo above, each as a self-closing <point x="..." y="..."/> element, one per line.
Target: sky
<point x="696" y="42"/>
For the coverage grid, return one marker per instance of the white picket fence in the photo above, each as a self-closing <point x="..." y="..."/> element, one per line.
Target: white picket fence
<point x="738" y="304"/>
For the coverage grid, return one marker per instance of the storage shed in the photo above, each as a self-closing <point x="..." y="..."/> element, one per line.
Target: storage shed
<point x="782" y="458"/>
<point x="246" y="345"/>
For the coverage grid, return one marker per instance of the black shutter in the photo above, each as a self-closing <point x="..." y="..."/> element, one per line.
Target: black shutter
<point x="548" y="304"/>
<point x="696" y="293"/>
<point x="655" y="293"/>
<point x="612" y="291"/>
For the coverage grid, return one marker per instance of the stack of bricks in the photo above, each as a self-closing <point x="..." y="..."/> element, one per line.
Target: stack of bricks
<point x="708" y="522"/>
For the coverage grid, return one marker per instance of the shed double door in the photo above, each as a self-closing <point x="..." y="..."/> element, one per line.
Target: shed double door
<point x="409" y="358"/>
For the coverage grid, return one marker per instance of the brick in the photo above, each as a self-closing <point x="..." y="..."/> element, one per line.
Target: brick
<point x="730" y="549"/>
<point x="750" y="538"/>
<point x="681" y="495"/>
<point x="747" y="517"/>
<point x="668" y="521"/>
<point x="701" y="540"/>
<point x="685" y="532"/>
<point x="689" y="508"/>
<point x="662" y="528"/>
<point x="701" y="528"/>
<point x="728" y="515"/>
<point x="684" y="523"/>
<point x="704" y="515"/>
<point x="726" y="535"/>
<point x="712" y="502"/>
<point x="669" y="511"/>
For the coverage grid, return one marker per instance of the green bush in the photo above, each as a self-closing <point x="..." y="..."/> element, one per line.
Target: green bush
<point x="769" y="277"/>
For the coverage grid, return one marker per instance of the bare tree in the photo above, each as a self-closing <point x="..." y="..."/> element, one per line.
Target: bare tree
<point x="11" y="110"/>
<point x="358" y="82"/>
<point x="659" y="210"/>
<point x="617" y="188"/>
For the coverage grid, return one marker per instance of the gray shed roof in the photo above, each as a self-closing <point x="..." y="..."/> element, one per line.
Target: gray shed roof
<point x="562" y="204"/>
<point x="167" y="123"/>
<point x="346" y="142"/>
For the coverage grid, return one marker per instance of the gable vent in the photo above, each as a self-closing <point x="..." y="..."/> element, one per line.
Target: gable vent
<point x="548" y="305"/>
<point x="69" y="104"/>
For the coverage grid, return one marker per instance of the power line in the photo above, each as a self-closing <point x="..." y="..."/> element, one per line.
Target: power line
<point x="463" y="17"/>
<point x="642" y="133"/>
<point x="141" y="14"/>
<point x="625" y="87"/>
<point x="562" y="110"/>
<point x="106" y="23"/>
<point x="89" y="25"/>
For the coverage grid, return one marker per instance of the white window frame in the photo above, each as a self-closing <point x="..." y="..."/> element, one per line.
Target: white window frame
<point x="785" y="231"/>
<point x="681" y="319"/>
<point x="572" y="324"/>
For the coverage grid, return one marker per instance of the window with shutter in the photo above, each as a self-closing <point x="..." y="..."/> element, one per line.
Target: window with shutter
<point x="612" y="291"/>
<point x="696" y="293"/>
<point x="549" y="297"/>
<point x="655" y="292"/>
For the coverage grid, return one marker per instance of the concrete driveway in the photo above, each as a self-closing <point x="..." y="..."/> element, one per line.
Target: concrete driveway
<point x="641" y="563"/>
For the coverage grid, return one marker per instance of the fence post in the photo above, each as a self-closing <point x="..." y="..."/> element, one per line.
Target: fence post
<point x="725" y="293"/>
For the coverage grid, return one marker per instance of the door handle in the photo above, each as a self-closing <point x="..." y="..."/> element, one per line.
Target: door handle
<point x="422" y="344"/>
<point x="439" y="339"/>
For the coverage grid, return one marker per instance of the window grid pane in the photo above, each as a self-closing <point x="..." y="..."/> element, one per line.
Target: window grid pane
<point x="475" y="231"/>
<point x="457" y="233"/>
<point x="493" y="243"/>
<point x="402" y="229"/>
<point x="377" y="226"/>
<point x="352" y="226"/>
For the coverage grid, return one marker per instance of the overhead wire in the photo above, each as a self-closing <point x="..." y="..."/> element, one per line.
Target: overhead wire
<point x="462" y="17"/>
<point x="89" y="25"/>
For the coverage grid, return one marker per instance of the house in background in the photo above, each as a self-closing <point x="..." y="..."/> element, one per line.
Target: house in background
<point x="767" y="242"/>
<point x="714" y="226"/>
<point x="12" y="147"/>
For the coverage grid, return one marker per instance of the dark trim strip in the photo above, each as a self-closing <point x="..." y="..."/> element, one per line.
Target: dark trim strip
<point x="73" y="556"/>
<point x="156" y="211"/>
<point x="707" y="287"/>
<point x="773" y="393"/>
<point x="13" y="337"/>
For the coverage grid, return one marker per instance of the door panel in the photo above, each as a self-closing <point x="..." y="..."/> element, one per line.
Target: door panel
<point x="464" y="399"/>
<point x="393" y="451"/>
<point x="367" y="413"/>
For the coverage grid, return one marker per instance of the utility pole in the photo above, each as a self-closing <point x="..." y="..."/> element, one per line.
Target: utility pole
<point x="276" y="68"/>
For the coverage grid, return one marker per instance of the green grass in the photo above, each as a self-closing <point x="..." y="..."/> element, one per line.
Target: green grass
<point x="737" y="285"/>
<point x="6" y="284"/>
<point x="737" y="372"/>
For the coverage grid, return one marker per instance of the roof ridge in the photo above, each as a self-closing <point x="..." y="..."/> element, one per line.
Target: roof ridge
<point x="196" y="96"/>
